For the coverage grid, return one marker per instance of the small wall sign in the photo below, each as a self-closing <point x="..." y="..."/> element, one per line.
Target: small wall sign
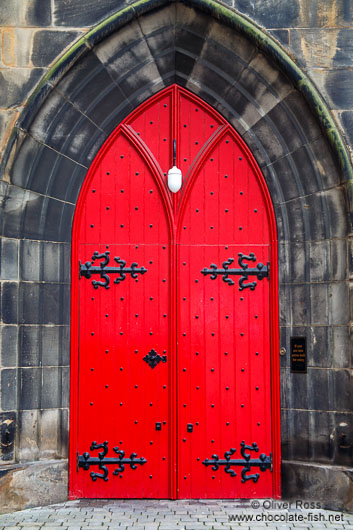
<point x="298" y="355"/>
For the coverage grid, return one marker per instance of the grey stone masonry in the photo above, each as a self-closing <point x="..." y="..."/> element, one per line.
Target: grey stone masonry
<point x="35" y="33"/>
<point x="177" y="515"/>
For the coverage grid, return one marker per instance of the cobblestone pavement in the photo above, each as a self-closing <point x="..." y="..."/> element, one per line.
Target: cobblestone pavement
<point x="173" y="515"/>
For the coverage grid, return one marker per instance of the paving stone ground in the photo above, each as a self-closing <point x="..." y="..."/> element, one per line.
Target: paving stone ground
<point x="173" y="515"/>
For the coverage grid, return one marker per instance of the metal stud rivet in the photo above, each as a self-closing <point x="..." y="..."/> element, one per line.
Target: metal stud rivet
<point x="164" y="315"/>
<point x="106" y="386"/>
<point x="257" y="353"/>
<point x="213" y="477"/>
<point x="242" y="369"/>
<point x="121" y="226"/>
<point x="184" y="227"/>
<point x="227" y="422"/>
<point x="92" y="369"/>
<point x="121" y="333"/>
<point x="197" y="353"/>
<point x="212" y="298"/>
<point x="151" y="404"/>
<point x="258" y="423"/>
<point x="185" y="159"/>
<point x="196" y="143"/>
<point x="212" y="441"/>
<point x="92" y="333"/>
<point x="184" y="334"/>
<point x="240" y="228"/>
<point x="242" y="405"/>
<point x="227" y="387"/>
<point x="225" y="353"/>
<point x="106" y="351"/>
<point x="211" y="191"/>
<point x="197" y="423"/>
<point x="242" y="334"/>
<point x="107" y="208"/>
<point x="241" y="193"/>
<point x="136" y="207"/>
<point x="121" y="404"/>
<point x="136" y="386"/>
<point x="92" y="298"/>
<point x="240" y="158"/>
<point x="92" y="226"/>
<point x="184" y="369"/>
<point x="164" y="386"/>
<point x="136" y="351"/>
<point x="225" y="176"/>
<point x="184" y="439"/>
<point x="196" y="316"/>
<point x="241" y="298"/>
<point x="91" y="403"/>
<point x="121" y="191"/>
<point x="136" y="422"/>
<point x="255" y="210"/>
<point x="212" y="369"/>
<point x="121" y="368"/>
<point x="136" y="315"/>
<point x="164" y="280"/>
<point x="212" y="334"/>
<point x="184" y="298"/>
<point x="151" y="332"/>
<point x="256" y="316"/>
<point x="197" y="388"/>
<point x="184" y="405"/>
<point x="211" y="227"/>
<point x="137" y="173"/>
<point x="151" y="226"/>
<point x="151" y="443"/>
<point x="197" y="210"/>
<point x="151" y="191"/>
<point x="94" y="191"/>
<point x="122" y="298"/>
<point x="185" y="125"/>
<point x="227" y="316"/>
<point x="226" y="210"/>
<point x="212" y="405"/>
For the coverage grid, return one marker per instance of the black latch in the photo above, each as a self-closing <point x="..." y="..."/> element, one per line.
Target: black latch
<point x="190" y="427"/>
<point x="158" y="426"/>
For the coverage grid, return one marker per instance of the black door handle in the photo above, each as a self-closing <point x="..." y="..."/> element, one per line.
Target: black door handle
<point x="190" y="427"/>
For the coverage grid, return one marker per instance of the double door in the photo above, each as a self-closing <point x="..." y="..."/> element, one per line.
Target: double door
<point x="172" y="395"/>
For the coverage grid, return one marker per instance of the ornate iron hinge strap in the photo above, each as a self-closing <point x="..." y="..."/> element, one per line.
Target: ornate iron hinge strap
<point x="85" y="461"/>
<point x="153" y="358"/>
<point x="263" y="462"/>
<point x="260" y="271"/>
<point x="87" y="269"/>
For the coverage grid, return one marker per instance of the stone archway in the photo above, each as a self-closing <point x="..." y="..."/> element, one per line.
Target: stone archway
<point x="241" y="72"/>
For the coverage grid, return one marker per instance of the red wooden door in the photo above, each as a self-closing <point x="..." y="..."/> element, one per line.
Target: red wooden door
<point x="172" y="374"/>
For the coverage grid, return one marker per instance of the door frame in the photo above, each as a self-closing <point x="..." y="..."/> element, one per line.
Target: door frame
<point x="273" y="305"/>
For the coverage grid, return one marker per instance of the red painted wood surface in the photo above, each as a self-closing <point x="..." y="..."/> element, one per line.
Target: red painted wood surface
<point x="221" y="373"/>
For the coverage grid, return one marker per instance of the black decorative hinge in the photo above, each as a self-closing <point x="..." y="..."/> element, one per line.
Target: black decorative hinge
<point x="85" y="461"/>
<point x="260" y="271"/>
<point x="87" y="269"/>
<point x="153" y="358"/>
<point x="263" y="462"/>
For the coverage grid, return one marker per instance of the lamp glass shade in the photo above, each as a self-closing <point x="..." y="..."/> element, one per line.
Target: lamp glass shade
<point x="174" y="179"/>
